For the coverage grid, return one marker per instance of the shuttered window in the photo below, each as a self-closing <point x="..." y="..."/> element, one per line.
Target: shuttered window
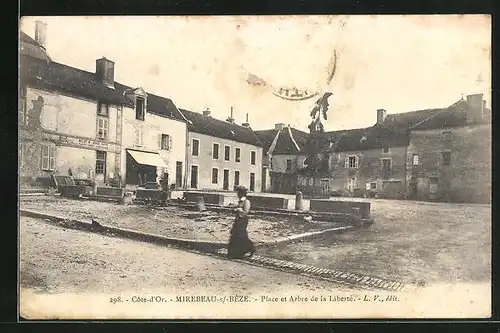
<point x="48" y="157"/>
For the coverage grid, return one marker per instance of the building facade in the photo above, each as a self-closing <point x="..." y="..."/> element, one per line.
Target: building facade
<point x="84" y="124"/>
<point x="449" y="155"/>
<point x="436" y="154"/>
<point x="222" y="154"/>
<point x="284" y="157"/>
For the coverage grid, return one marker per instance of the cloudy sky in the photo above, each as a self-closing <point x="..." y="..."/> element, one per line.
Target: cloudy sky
<point x="399" y="63"/>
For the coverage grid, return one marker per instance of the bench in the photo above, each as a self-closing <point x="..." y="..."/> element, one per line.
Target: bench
<point x="340" y="207"/>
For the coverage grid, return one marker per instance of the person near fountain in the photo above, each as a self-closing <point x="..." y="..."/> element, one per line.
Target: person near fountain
<point x="239" y="243"/>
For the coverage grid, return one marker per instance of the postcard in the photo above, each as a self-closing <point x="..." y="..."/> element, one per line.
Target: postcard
<point x="255" y="167"/>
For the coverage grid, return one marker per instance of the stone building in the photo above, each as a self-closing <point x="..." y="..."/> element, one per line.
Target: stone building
<point x="435" y="154"/>
<point x="449" y="152"/>
<point x="283" y="157"/>
<point x="84" y="123"/>
<point x="222" y="154"/>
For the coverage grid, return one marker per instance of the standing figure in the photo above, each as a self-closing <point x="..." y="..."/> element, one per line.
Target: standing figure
<point x="239" y="243"/>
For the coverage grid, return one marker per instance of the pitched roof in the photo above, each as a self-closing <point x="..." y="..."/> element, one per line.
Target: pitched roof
<point x="83" y="83"/>
<point x="266" y="137"/>
<point x="394" y="131"/>
<point x="368" y="138"/>
<point x="220" y="129"/>
<point x="29" y="47"/>
<point x="453" y="116"/>
<point x="283" y="142"/>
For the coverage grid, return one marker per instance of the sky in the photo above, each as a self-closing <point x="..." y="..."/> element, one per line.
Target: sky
<point x="399" y="63"/>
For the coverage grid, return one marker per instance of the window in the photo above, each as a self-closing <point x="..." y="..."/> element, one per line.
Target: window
<point x="236" y="178"/>
<point x="178" y="174"/>
<point x="373" y="186"/>
<point x="288" y="165"/>
<point x="386" y="168"/>
<point x="252" y="182"/>
<point x="22" y="153"/>
<point x="138" y="137"/>
<point x="139" y="108"/>
<point x="447" y="136"/>
<point x="102" y="128"/>
<point x="102" y="109"/>
<point x="415" y="159"/>
<point x="433" y="181"/>
<point x="386" y="164"/>
<point x="215" y="175"/>
<point x="227" y="151"/>
<point x="195" y="149"/>
<point x="237" y="155"/>
<point x="446" y="157"/>
<point x="385" y="150"/>
<point x="100" y="162"/>
<point x="215" y="151"/>
<point x="48" y="157"/>
<point x="166" y="142"/>
<point x="252" y="158"/>
<point x="351" y="162"/>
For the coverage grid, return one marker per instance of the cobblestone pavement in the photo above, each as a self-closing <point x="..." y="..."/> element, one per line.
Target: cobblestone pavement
<point x="171" y="221"/>
<point x="410" y="242"/>
<point x="57" y="260"/>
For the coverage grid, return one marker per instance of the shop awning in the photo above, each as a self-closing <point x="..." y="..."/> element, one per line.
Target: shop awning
<point x="146" y="158"/>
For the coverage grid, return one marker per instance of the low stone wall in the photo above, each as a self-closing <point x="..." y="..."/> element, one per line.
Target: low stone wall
<point x="71" y="191"/>
<point x="151" y="195"/>
<point x="340" y="207"/>
<point x="268" y="202"/>
<point x="209" y="198"/>
<point x="110" y="191"/>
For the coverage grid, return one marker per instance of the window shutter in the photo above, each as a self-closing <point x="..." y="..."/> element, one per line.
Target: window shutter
<point x="159" y="141"/>
<point x="346" y="165"/>
<point x="169" y="142"/>
<point x="357" y="162"/>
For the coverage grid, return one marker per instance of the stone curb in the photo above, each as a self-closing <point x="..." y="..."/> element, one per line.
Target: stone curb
<point x="158" y="239"/>
<point x="357" y="280"/>
<point x="320" y="216"/>
<point x="126" y="233"/>
<point x="304" y="236"/>
<point x="32" y="194"/>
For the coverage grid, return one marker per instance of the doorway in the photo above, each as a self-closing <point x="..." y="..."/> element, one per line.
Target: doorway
<point x="225" y="184"/>
<point x="178" y="174"/>
<point x="252" y="182"/>
<point x="264" y="179"/>
<point x="351" y="184"/>
<point x="194" y="176"/>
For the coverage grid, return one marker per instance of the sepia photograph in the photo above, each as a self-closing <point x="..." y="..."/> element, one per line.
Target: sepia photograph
<point x="255" y="167"/>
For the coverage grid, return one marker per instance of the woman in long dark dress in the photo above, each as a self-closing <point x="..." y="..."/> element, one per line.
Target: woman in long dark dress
<point x="239" y="243"/>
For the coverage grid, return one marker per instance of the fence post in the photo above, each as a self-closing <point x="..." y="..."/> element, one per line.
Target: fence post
<point x="299" y="205"/>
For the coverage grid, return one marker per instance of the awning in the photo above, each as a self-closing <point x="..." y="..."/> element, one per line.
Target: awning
<point x="146" y="158"/>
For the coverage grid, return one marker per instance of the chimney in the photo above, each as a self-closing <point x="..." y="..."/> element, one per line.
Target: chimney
<point x="105" y="71"/>
<point x="206" y="113"/>
<point x="279" y="126"/>
<point x="230" y="119"/>
<point x="246" y="124"/>
<point x="475" y="107"/>
<point x="41" y="33"/>
<point x="381" y="114"/>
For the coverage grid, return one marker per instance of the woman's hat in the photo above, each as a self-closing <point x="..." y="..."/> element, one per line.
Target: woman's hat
<point x="240" y="188"/>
